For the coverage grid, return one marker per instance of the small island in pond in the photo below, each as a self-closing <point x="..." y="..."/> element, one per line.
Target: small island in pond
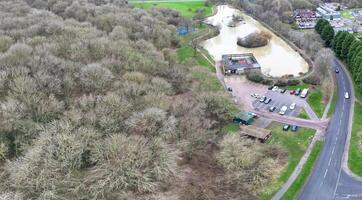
<point x="254" y="40"/>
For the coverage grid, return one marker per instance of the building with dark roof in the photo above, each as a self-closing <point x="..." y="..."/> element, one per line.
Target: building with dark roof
<point x="255" y="132"/>
<point x="239" y="63"/>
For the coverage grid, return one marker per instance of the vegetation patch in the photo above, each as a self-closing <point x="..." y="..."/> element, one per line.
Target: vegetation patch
<point x="295" y="144"/>
<point x="315" y="100"/>
<point x="303" y="114"/>
<point x="355" y="153"/>
<point x="187" y="53"/>
<point x="253" y="40"/>
<point x="187" y="9"/>
<point x="304" y="174"/>
<point x="332" y="108"/>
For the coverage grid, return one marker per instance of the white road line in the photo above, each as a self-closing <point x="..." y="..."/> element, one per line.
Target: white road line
<point x="333" y="149"/>
<point x="330" y="160"/>
<point x="325" y="174"/>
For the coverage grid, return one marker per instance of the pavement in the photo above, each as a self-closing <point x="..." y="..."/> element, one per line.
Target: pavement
<point x="329" y="179"/>
<point x="281" y="99"/>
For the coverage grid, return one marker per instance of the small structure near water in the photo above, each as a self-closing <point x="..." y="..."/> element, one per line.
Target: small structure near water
<point x="239" y="63"/>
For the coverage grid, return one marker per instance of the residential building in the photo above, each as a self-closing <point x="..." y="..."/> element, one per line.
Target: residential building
<point x="305" y="18"/>
<point x="329" y="12"/>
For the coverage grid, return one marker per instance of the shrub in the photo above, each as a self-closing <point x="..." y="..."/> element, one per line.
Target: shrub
<point x="293" y="82"/>
<point x="255" y="76"/>
<point x="312" y="79"/>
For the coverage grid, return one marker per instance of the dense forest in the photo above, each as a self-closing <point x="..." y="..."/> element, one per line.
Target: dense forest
<point x="94" y="105"/>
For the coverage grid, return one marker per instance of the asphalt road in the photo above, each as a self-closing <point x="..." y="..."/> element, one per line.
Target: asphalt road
<point x="328" y="180"/>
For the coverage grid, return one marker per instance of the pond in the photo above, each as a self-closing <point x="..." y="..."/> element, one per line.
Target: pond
<point x="276" y="59"/>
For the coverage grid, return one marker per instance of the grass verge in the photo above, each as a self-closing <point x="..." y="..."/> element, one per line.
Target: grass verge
<point x="187" y="9"/>
<point x="232" y="127"/>
<point x="186" y="52"/>
<point x="315" y="100"/>
<point x="333" y="103"/>
<point x="295" y="145"/>
<point x="303" y="114"/>
<point x="294" y="189"/>
<point x="355" y="151"/>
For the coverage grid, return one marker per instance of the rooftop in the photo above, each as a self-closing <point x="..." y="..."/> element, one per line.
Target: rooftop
<point x="256" y="132"/>
<point x="239" y="61"/>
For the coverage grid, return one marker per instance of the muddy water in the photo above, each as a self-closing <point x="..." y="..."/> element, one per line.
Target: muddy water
<point x="276" y="59"/>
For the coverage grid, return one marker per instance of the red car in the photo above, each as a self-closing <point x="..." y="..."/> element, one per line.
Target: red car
<point x="292" y="92"/>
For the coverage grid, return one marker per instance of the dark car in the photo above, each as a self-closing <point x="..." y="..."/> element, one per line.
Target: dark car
<point x="272" y="109"/>
<point x="292" y="92"/>
<point x="270" y="87"/>
<point x="267" y="100"/>
<point x="283" y="90"/>
<point x="230" y="89"/>
<point x="336" y="70"/>
<point x="286" y="127"/>
<point x="294" y="128"/>
<point x="262" y="99"/>
<point x="297" y="92"/>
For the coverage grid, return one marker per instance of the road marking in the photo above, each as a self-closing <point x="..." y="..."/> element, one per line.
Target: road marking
<point x="330" y="160"/>
<point x="333" y="149"/>
<point x="325" y="173"/>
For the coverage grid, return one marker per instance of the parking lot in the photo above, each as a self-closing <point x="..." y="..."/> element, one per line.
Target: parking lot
<point x="242" y="90"/>
<point x="284" y="99"/>
<point x="279" y="100"/>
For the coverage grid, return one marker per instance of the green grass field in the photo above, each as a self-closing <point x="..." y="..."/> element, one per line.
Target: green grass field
<point x="315" y="100"/>
<point x="347" y="13"/>
<point x="295" y="145"/>
<point x="303" y="114"/>
<point x="355" y="153"/>
<point x="187" y="9"/>
<point x="304" y="174"/>
<point x="333" y="103"/>
<point x="186" y="52"/>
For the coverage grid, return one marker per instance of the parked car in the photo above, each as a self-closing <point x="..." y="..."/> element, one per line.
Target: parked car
<point x="304" y="93"/>
<point x="292" y="92"/>
<point x="283" y="91"/>
<point x="336" y="70"/>
<point x="283" y="110"/>
<point x="286" y="127"/>
<point x="262" y="99"/>
<point x="294" y="128"/>
<point x="275" y="88"/>
<point x="346" y="95"/>
<point x="267" y="100"/>
<point x="270" y="87"/>
<point x="272" y="108"/>
<point x="297" y="92"/>
<point x="292" y="106"/>
<point x="230" y="89"/>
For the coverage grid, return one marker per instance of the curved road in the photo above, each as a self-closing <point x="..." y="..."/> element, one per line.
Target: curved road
<point x="329" y="180"/>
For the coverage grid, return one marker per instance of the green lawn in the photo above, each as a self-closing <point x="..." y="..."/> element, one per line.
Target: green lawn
<point x="303" y="114"/>
<point x="355" y="153"/>
<point x="232" y="127"/>
<point x="295" y="145"/>
<point x="186" y="52"/>
<point x="333" y="103"/>
<point x="347" y="13"/>
<point x="301" y="86"/>
<point x="304" y="174"/>
<point x="315" y="100"/>
<point x="187" y="9"/>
